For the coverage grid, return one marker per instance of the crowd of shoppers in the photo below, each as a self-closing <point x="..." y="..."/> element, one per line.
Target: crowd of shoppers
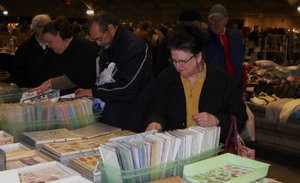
<point x="162" y="77"/>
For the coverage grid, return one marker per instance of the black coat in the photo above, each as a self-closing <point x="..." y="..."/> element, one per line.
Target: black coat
<point x="126" y="99"/>
<point x="220" y="96"/>
<point x="77" y="62"/>
<point x="28" y="65"/>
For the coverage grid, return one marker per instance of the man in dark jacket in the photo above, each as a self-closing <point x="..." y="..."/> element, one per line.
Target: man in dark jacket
<point x="225" y="46"/>
<point x="127" y="92"/>
<point x="27" y="67"/>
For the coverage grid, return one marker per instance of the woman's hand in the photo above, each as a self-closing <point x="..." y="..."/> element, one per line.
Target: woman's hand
<point x="83" y="93"/>
<point x="205" y="119"/>
<point x="154" y="126"/>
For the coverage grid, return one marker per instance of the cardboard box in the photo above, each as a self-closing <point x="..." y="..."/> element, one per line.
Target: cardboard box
<point x="260" y="169"/>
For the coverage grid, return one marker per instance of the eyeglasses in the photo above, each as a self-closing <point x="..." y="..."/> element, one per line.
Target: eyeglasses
<point x="180" y="62"/>
<point x="100" y="38"/>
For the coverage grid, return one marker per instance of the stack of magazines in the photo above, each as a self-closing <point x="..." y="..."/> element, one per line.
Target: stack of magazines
<point x="36" y="139"/>
<point x="66" y="150"/>
<point x="149" y="149"/>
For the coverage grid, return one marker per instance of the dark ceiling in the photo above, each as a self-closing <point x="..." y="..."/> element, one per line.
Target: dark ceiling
<point x="133" y="8"/>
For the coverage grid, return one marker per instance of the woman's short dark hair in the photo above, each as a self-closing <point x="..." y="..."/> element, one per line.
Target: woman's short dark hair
<point x="103" y="19"/>
<point x="187" y="37"/>
<point x="62" y="25"/>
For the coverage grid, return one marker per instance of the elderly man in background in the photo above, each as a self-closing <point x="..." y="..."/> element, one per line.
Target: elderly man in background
<point x="27" y="67"/>
<point x="225" y="46"/>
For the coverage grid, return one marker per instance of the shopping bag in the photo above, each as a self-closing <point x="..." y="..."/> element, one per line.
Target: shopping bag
<point x="231" y="140"/>
<point x="234" y="143"/>
<point x="243" y="150"/>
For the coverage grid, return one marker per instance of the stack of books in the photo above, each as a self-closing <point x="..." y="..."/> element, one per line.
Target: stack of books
<point x="64" y="151"/>
<point x="87" y="166"/>
<point x="36" y="139"/>
<point x="24" y="159"/>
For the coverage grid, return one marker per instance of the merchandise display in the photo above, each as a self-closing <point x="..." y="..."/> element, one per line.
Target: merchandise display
<point x="45" y="115"/>
<point x="271" y="78"/>
<point x="245" y="170"/>
<point x="23" y="159"/>
<point x="64" y="151"/>
<point x="95" y="130"/>
<point x="87" y="166"/>
<point x="88" y="162"/>
<point x="45" y="172"/>
<point x="154" y="155"/>
<point x="15" y="147"/>
<point x="36" y="139"/>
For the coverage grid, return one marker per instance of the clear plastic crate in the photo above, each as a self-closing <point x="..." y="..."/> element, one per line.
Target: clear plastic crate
<point x="17" y="128"/>
<point x="110" y="173"/>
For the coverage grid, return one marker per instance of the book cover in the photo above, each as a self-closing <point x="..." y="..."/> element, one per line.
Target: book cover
<point x="23" y="159"/>
<point x="95" y="130"/>
<point x="45" y="172"/>
<point x="35" y="139"/>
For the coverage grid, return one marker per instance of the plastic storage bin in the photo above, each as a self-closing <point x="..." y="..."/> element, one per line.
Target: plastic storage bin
<point x="10" y="98"/>
<point x="260" y="168"/>
<point x="112" y="174"/>
<point x="17" y="128"/>
<point x="204" y="155"/>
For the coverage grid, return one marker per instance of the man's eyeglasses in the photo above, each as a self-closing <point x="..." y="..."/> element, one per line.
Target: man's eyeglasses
<point x="99" y="38"/>
<point x="180" y="62"/>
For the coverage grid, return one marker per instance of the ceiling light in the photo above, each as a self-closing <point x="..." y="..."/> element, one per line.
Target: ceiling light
<point x="298" y="8"/>
<point x="90" y="12"/>
<point x="5" y="12"/>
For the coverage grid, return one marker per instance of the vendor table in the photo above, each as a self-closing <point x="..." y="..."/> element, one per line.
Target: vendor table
<point x="284" y="136"/>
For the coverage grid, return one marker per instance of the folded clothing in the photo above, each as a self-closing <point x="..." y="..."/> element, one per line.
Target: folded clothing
<point x="257" y="101"/>
<point x="288" y="109"/>
<point x="274" y="109"/>
<point x="267" y="98"/>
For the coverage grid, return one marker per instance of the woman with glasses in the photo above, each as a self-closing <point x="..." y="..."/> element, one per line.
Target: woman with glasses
<point x="194" y="92"/>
